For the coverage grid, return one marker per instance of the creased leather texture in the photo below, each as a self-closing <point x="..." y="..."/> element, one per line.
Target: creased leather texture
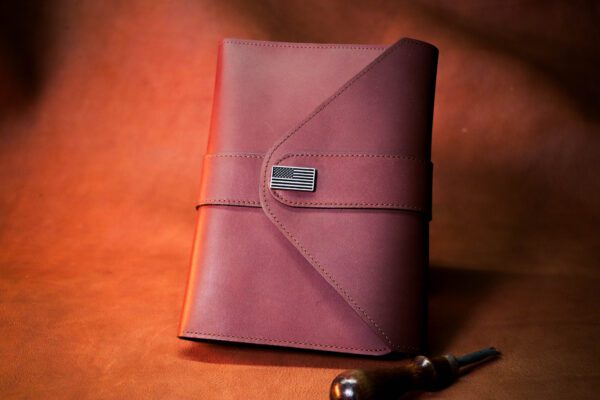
<point x="342" y="268"/>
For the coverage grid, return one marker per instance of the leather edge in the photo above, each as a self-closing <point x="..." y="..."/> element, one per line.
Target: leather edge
<point x="193" y="335"/>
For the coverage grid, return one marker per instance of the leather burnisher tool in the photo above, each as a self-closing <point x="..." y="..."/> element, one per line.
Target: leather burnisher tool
<point x="421" y="373"/>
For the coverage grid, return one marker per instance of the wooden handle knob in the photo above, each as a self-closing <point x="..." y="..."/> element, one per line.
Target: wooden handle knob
<point x="381" y="383"/>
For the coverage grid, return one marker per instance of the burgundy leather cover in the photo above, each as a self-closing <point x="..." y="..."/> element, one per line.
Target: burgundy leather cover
<point x="342" y="268"/>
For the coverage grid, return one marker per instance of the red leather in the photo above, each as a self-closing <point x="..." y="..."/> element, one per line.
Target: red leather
<point x="231" y="178"/>
<point x="342" y="268"/>
<point x="359" y="180"/>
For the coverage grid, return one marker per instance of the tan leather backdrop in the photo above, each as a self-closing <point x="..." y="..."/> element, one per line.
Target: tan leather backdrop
<point x="104" y="112"/>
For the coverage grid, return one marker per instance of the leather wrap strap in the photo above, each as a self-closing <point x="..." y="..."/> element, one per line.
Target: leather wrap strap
<point x="344" y="181"/>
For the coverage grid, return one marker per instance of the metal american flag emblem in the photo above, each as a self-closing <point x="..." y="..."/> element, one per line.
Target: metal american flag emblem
<point x="293" y="178"/>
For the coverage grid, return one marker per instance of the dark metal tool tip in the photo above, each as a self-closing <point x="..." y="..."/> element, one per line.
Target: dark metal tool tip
<point x="477" y="356"/>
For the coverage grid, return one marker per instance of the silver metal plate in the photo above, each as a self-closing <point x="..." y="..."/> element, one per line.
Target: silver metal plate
<point x="293" y="178"/>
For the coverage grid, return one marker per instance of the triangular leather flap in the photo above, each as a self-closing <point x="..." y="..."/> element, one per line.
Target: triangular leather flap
<point x="374" y="258"/>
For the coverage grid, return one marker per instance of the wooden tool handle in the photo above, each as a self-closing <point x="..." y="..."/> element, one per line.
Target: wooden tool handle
<point x="422" y="373"/>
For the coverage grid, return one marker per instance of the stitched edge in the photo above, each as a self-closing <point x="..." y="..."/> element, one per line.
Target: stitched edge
<point x="206" y="202"/>
<point x="329" y="346"/>
<point x="356" y="204"/>
<point x="244" y="155"/>
<point x="376" y="155"/>
<point x="289" y="234"/>
<point x="303" y="45"/>
<point x="259" y="43"/>
<point x="398" y="207"/>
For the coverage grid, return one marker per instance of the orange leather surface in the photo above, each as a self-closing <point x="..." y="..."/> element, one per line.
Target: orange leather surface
<point x="104" y="111"/>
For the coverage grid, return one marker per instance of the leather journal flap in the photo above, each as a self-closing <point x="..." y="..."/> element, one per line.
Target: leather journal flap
<point x="369" y="256"/>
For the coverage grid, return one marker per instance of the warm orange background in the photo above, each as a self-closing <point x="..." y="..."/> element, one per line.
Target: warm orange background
<point x="104" y="111"/>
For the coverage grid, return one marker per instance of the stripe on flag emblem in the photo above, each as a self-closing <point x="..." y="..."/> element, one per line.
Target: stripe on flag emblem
<point x="293" y="178"/>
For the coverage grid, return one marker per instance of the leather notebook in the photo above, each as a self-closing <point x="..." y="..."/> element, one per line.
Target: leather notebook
<point x="315" y="198"/>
